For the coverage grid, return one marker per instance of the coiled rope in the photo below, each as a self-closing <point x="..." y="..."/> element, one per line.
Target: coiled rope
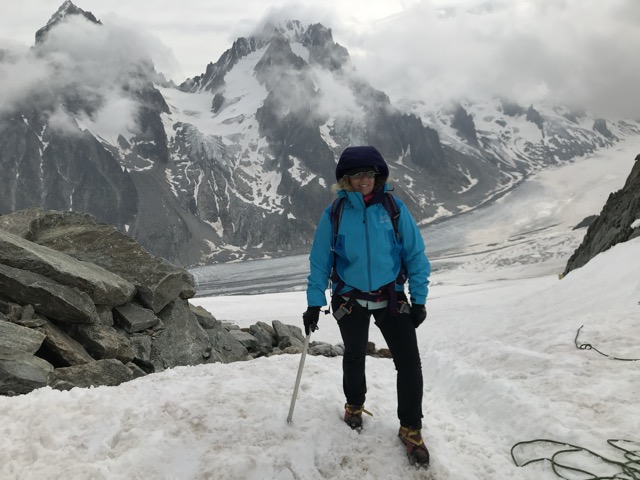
<point x="588" y="346"/>
<point x="568" y="459"/>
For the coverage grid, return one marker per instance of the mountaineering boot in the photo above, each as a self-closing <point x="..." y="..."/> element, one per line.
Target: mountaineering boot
<point x="416" y="449"/>
<point x="353" y="415"/>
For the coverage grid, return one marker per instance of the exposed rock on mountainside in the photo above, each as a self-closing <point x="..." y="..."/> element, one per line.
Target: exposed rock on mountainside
<point x="618" y="221"/>
<point x="83" y="305"/>
<point x="67" y="8"/>
<point x="237" y="162"/>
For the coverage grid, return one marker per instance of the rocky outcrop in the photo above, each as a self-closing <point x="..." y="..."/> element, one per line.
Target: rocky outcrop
<point x="74" y="294"/>
<point x="83" y="305"/>
<point x="155" y="281"/>
<point x="66" y="9"/>
<point x="465" y="126"/>
<point x="618" y="221"/>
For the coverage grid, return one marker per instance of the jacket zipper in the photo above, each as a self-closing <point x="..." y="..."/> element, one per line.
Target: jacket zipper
<point x="366" y="233"/>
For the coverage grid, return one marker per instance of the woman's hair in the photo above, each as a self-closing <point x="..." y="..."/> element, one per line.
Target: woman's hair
<point x="344" y="184"/>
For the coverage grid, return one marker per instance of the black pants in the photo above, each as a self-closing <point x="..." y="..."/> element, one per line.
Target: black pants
<point x="400" y="335"/>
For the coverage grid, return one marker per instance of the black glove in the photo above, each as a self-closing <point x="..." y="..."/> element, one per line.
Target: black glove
<point x="418" y="314"/>
<point x="310" y="319"/>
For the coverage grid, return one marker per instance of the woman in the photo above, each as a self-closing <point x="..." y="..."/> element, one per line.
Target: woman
<point x="364" y="259"/>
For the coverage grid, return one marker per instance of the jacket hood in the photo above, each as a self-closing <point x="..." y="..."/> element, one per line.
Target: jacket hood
<point x="353" y="158"/>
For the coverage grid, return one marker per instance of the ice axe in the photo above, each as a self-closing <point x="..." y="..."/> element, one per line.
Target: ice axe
<point x="300" y="367"/>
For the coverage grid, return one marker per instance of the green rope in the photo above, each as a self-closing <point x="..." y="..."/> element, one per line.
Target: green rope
<point x="625" y="470"/>
<point x="588" y="346"/>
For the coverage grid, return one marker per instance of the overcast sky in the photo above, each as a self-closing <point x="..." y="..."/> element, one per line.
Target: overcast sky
<point x="575" y="51"/>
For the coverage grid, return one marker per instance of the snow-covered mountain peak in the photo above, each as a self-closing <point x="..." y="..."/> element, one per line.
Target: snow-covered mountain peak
<point x="236" y="162"/>
<point x="292" y="30"/>
<point x="68" y="8"/>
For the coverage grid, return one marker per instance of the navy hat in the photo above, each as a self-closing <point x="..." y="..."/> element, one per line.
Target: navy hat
<point x="361" y="159"/>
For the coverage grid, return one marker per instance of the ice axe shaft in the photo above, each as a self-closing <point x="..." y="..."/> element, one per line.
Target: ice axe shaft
<point x="298" y="377"/>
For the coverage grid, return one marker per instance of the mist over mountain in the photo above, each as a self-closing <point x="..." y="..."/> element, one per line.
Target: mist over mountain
<point x="237" y="162"/>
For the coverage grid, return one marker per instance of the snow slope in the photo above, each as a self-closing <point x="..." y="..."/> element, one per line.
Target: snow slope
<point x="500" y="364"/>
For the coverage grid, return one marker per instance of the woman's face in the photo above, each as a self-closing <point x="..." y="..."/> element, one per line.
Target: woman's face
<point x="364" y="184"/>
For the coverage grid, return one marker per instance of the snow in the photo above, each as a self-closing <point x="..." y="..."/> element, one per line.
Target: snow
<point x="243" y="95"/>
<point x="499" y="355"/>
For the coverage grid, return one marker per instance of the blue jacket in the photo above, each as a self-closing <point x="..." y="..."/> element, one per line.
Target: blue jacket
<point x="368" y="253"/>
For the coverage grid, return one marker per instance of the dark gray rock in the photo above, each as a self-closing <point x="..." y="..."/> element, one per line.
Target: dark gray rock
<point x="22" y="372"/>
<point x="105" y="315"/>
<point x="55" y="301"/>
<point x="29" y="317"/>
<point x="62" y="349"/>
<point x="101" y="285"/>
<point x="585" y="222"/>
<point x="613" y="224"/>
<point x="247" y="340"/>
<point x="183" y="341"/>
<point x="108" y="372"/>
<point x="534" y="116"/>
<point x="136" y="371"/>
<point x="465" y="126"/>
<point x="135" y="318"/>
<point x="13" y="311"/>
<point x="205" y="319"/>
<point x="141" y="345"/>
<point x="103" y="342"/>
<point x="157" y="281"/>
<point x="322" y="49"/>
<point x="288" y="335"/>
<point x="225" y="347"/>
<point x="324" y="349"/>
<point x="19" y="338"/>
<point x="600" y="126"/>
<point x="66" y="10"/>
<point x="265" y="334"/>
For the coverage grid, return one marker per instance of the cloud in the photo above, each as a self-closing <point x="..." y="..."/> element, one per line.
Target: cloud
<point x="305" y="14"/>
<point x="117" y="116"/>
<point x="94" y="68"/>
<point x="22" y="76"/>
<point x="336" y="97"/>
<point x="578" y="52"/>
<point x="63" y="123"/>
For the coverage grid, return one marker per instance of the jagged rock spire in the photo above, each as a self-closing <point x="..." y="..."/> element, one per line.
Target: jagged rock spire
<point x="65" y="10"/>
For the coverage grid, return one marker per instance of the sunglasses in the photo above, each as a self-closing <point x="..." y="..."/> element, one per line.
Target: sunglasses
<point x="360" y="175"/>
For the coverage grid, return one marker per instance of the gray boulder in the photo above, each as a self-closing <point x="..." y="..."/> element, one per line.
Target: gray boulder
<point x="205" y="319"/>
<point x="16" y="337"/>
<point x="105" y="315"/>
<point x="59" y="302"/>
<point x="183" y="341"/>
<point x="13" y="311"/>
<point x="103" y="342"/>
<point x="265" y="334"/>
<point x="288" y="335"/>
<point x="225" y="346"/>
<point x="141" y="345"/>
<point x="135" y="318"/>
<point x="29" y="318"/>
<point x="62" y="347"/>
<point x="158" y="282"/>
<point x="247" y="340"/>
<point x="325" y="349"/>
<point x="108" y="372"/>
<point x="101" y="285"/>
<point x="22" y="372"/>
